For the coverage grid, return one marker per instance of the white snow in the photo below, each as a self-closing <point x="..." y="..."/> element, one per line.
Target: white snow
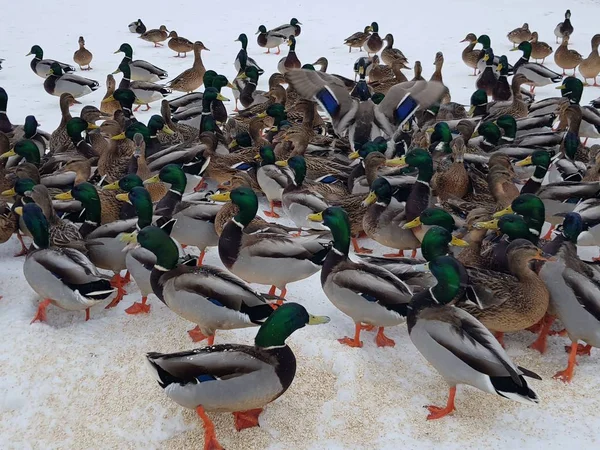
<point x="76" y="384"/>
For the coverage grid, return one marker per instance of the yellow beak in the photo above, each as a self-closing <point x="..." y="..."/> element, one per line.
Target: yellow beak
<point x="514" y="49"/>
<point x="524" y="162"/>
<point x="64" y="196"/>
<point x="318" y="217"/>
<point x="230" y="86"/>
<point x="354" y="155"/>
<point x="92" y="126"/>
<point x="8" y="154"/>
<point x="281" y="163"/>
<point x="8" y="192"/>
<point x="154" y="179"/>
<point x="129" y="238"/>
<point x="123" y="198"/>
<point x="396" y="162"/>
<point x="167" y="130"/>
<point x="221" y="197"/>
<point x="257" y="157"/>
<point x="471" y="111"/>
<point x="504" y="212"/>
<point x="19" y="210"/>
<point x="371" y="198"/>
<point x="222" y="98"/>
<point x="317" y="320"/>
<point x="413" y="223"/>
<point x="262" y="115"/>
<point x="119" y="137"/>
<point x="489" y="225"/>
<point x="232" y="144"/>
<point x="562" y="86"/>
<point x="458" y="242"/>
<point x="111" y="187"/>
<point x="110" y="98"/>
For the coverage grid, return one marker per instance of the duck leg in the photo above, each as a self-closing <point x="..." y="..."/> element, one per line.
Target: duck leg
<point x="548" y="235"/>
<point x="136" y="108"/>
<point x="436" y="412"/>
<point x="399" y="253"/>
<point x="358" y="248"/>
<point x="246" y="419"/>
<point x="352" y="342"/>
<point x="367" y="327"/>
<point x="40" y="315"/>
<point x="197" y="336"/>
<point x="567" y="374"/>
<point x="23" y="251"/>
<point x="382" y="340"/>
<point x="278" y="50"/>
<point x="582" y="350"/>
<point x="87" y="314"/>
<point x="117" y="282"/>
<point x="139" y="308"/>
<point x="201" y="258"/>
<point x="127" y="278"/>
<point x="272" y="212"/>
<point x="201" y="185"/>
<point x="541" y="342"/>
<point x="268" y="51"/>
<point x="210" y="437"/>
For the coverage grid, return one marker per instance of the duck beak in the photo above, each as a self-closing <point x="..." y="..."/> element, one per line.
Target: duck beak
<point x="118" y="51"/>
<point x="232" y="144"/>
<point x="19" y="210"/>
<point x="412" y="224"/>
<point x="562" y="86"/>
<point x="130" y="238"/>
<point x="354" y="155"/>
<point x="230" y="86"/>
<point x="401" y="162"/>
<point x="504" y="212"/>
<point x="167" y="130"/>
<point x="489" y="225"/>
<point x="281" y="163"/>
<point x="64" y="196"/>
<point x="222" y="98"/>
<point x="524" y="162"/>
<point x="456" y="242"/>
<point x="154" y="179"/>
<point x="257" y="157"/>
<point x="262" y="115"/>
<point x="119" y="137"/>
<point x="371" y="198"/>
<point x="514" y="49"/>
<point x="29" y="54"/>
<point x="123" y="198"/>
<point x="317" y="320"/>
<point x="8" y="154"/>
<point x="541" y="256"/>
<point x="110" y="98"/>
<point x="92" y="126"/>
<point x="471" y="111"/>
<point x="8" y="193"/>
<point x="318" y="217"/>
<point x="111" y="187"/>
<point x="221" y="197"/>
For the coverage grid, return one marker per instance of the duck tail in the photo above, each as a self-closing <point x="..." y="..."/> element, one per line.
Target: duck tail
<point x="163" y="377"/>
<point x="507" y="388"/>
<point x="259" y="313"/>
<point x="95" y="290"/>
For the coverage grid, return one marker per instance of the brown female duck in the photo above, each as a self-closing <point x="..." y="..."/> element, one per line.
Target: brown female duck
<point x="179" y="44"/>
<point x="566" y="58"/>
<point x="156" y="35"/>
<point x="590" y="66"/>
<point x="470" y="56"/>
<point x="191" y="79"/>
<point x="83" y="57"/>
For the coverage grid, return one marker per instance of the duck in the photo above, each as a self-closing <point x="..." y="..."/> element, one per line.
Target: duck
<point x="58" y="83"/>
<point x="566" y="58"/>
<point x="269" y="366"/>
<point x="486" y="43"/>
<point x="270" y="39"/>
<point x="517" y="106"/>
<point x="156" y="35"/>
<point x="501" y="91"/>
<point x="111" y="106"/>
<point x="487" y="78"/>
<point x="290" y="61"/>
<point x="564" y="28"/>
<point x="470" y="56"/>
<point x="458" y="345"/>
<point x="242" y="59"/>
<point x="453" y="179"/>
<point x="437" y="75"/>
<point x="191" y="79"/>
<point x="83" y="57"/>
<point x="64" y="277"/>
<point x="519" y="35"/>
<point x="539" y="49"/>
<point x="272" y="178"/>
<point x="249" y="96"/>
<point x="540" y="75"/>
<point x="590" y="66"/>
<point x="195" y="221"/>
<point x="357" y="40"/>
<point x="374" y="43"/>
<point x="384" y="85"/>
<point x="389" y="54"/>
<point x="179" y="44"/>
<point x="417" y="69"/>
<point x="59" y="138"/>
<point x="41" y="67"/>
<point x="265" y="258"/>
<point x="137" y="27"/>
<point x="371" y="296"/>
<point x="288" y="29"/>
<point x="145" y="91"/>
<point x="141" y="70"/>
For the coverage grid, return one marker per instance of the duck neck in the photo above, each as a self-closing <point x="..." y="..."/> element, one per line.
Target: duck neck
<point x="519" y="266"/>
<point x="198" y="58"/>
<point x="93" y="212"/>
<point x="65" y="112"/>
<point x="425" y="172"/>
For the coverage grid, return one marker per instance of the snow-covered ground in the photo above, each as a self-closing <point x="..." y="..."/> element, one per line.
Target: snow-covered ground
<point x="75" y="384"/>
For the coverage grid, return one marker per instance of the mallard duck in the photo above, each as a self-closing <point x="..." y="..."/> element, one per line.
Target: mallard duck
<point x="109" y="107"/>
<point x="64" y="277"/>
<point x="487" y="78"/>
<point x="454" y="180"/>
<point x="270" y="39"/>
<point x="470" y="56"/>
<point x="288" y="29"/>
<point x="145" y="91"/>
<point x="370" y="295"/>
<point x="539" y="49"/>
<point x="590" y="66"/>
<point x="374" y="43"/>
<point x="83" y="57"/>
<point x="191" y="117"/>
<point x="265" y="258"/>
<point x="540" y="159"/>
<point x="179" y="44"/>
<point x="41" y="67"/>
<point x="290" y="61"/>
<point x="9" y="222"/>
<point x="363" y="120"/>
<point x="537" y="73"/>
<point x="566" y="58"/>
<point x="156" y="35"/>
<point x="249" y="96"/>
<point x="357" y="39"/>
<point x="378" y="71"/>
<point x="418" y="69"/>
<point x="457" y="345"/>
<point x="384" y="85"/>
<point x="59" y="138"/>
<point x="389" y="55"/>
<point x="501" y="91"/>
<point x="519" y="35"/>
<point x="272" y="179"/>
<point x="191" y="79"/>
<point x="5" y="125"/>
<point x="141" y="70"/>
<point x="486" y="43"/>
<point x="58" y="83"/>
<point x="564" y="28"/>
<point x="137" y="27"/>
<point x="242" y="60"/>
<point x="197" y="379"/>
<point x="516" y="107"/>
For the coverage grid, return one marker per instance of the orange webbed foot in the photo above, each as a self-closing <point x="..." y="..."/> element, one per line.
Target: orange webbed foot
<point x="436" y="412"/>
<point x="350" y="342"/>
<point x="382" y="340"/>
<point x="564" y="375"/>
<point x="367" y="327"/>
<point x="197" y="335"/>
<point x="139" y="308"/>
<point x="272" y="214"/>
<point x="582" y="350"/>
<point x="40" y="314"/>
<point x="247" y="419"/>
